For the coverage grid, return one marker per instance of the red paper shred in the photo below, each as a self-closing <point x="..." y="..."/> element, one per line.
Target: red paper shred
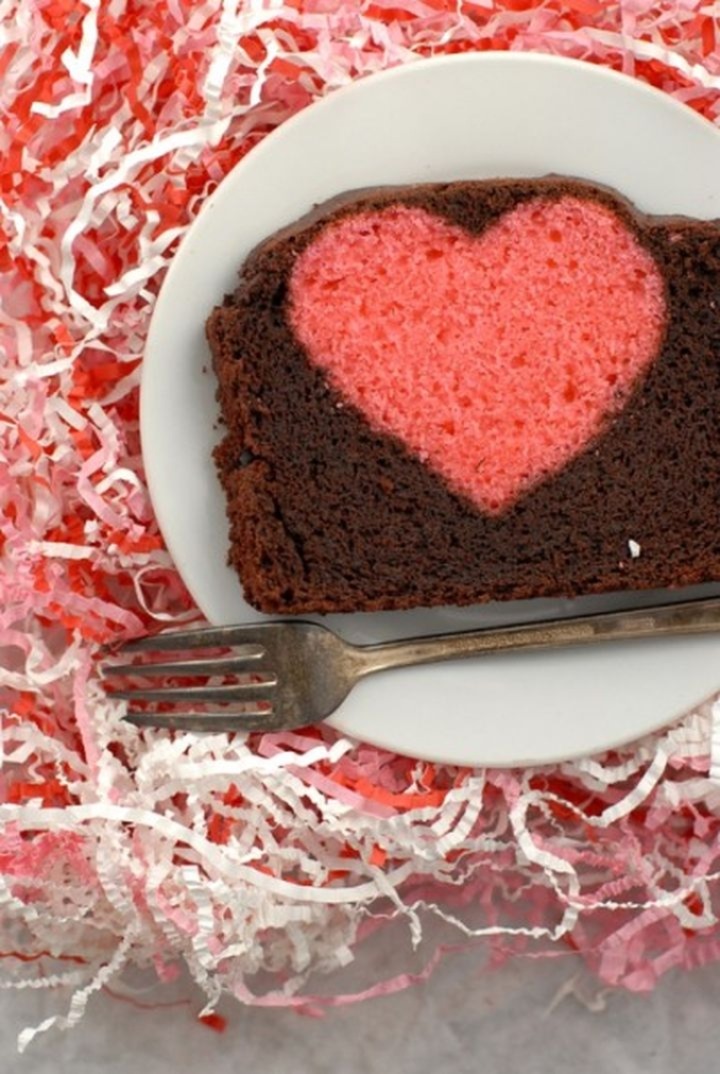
<point x="215" y="1022"/>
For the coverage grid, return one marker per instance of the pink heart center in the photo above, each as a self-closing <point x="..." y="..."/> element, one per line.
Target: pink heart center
<point x="496" y="358"/>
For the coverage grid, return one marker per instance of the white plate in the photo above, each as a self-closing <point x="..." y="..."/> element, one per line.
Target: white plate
<point x="472" y="116"/>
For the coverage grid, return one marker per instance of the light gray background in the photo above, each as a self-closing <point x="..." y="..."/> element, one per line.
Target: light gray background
<point x="466" y="1020"/>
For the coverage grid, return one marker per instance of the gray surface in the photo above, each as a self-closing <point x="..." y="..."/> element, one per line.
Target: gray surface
<point x="464" y="1020"/>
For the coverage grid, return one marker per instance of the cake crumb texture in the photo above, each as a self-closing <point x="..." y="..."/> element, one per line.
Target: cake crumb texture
<point x="494" y="358"/>
<point x="333" y="508"/>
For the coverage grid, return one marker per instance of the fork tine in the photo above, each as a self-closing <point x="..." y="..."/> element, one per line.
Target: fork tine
<point x="219" y="666"/>
<point x="199" y="638"/>
<point x="241" y="691"/>
<point x="253" y="720"/>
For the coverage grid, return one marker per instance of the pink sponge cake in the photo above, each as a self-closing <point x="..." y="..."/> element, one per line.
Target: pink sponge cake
<point x="471" y="391"/>
<point x="495" y="358"/>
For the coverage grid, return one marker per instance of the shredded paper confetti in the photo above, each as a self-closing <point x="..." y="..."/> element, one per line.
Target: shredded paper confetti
<point x="261" y="864"/>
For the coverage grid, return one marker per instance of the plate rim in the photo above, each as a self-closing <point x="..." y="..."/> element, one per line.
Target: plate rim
<point x="471" y="59"/>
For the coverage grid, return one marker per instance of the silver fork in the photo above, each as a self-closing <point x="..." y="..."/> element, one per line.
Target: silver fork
<point x="295" y="673"/>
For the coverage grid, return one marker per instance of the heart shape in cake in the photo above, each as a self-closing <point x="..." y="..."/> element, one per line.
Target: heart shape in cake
<point x="495" y="357"/>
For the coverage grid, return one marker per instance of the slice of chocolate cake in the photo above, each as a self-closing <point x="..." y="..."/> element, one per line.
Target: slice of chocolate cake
<point x="472" y="391"/>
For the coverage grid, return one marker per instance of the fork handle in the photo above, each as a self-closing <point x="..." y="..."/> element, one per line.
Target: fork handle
<point x="692" y="617"/>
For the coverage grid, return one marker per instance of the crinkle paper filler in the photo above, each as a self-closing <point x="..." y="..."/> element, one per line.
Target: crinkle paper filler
<point x="258" y="863"/>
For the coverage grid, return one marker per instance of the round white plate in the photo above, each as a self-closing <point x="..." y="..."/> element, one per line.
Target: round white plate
<point x="472" y="116"/>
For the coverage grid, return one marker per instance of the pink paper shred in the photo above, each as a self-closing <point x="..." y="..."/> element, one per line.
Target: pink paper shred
<point x="282" y="855"/>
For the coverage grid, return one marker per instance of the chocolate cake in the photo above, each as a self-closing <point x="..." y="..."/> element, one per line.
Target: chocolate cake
<point x="471" y="391"/>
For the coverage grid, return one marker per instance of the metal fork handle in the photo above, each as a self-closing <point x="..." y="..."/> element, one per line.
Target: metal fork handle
<point x="692" y="617"/>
